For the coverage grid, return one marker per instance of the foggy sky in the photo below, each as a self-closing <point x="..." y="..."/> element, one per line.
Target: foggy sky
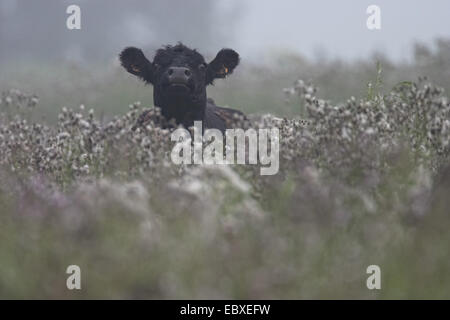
<point x="338" y="27"/>
<point x="255" y="28"/>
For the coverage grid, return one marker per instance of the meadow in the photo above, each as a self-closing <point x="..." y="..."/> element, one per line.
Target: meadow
<point x="364" y="180"/>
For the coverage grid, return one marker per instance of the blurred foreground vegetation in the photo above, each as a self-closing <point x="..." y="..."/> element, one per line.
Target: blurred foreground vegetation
<point x="364" y="181"/>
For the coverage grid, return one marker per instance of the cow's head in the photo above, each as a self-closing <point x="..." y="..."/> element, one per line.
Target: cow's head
<point x="179" y="76"/>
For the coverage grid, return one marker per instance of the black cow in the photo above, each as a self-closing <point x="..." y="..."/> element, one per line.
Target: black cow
<point x="179" y="76"/>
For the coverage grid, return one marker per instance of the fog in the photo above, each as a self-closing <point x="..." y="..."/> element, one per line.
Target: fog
<point x="36" y="30"/>
<point x="337" y="29"/>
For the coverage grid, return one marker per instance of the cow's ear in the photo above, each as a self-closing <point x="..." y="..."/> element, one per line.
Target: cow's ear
<point x="135" y="62"/>
<point x="222" y="65"/>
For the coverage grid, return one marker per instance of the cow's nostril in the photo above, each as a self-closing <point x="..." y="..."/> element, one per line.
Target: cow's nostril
<point x="170" y="72"/>
<point x="187" y="73"/>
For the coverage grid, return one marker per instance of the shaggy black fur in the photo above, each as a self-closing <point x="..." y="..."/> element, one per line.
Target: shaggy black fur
<point x="179" y="76"/>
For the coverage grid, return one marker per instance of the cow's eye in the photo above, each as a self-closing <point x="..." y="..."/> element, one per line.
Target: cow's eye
<point x="201" y="67"/>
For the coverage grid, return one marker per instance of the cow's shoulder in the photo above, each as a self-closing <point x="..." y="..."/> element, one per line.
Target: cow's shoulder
<point x="153" y="116"/>
<point x="221" y="117"/>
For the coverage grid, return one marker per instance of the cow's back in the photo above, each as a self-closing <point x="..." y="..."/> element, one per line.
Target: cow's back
<point x="220" y="117"/>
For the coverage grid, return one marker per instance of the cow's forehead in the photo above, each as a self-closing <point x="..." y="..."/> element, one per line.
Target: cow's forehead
<point x="179" y="54"/>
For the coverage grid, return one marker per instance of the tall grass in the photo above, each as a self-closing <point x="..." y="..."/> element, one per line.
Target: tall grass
<point x="363" y="180"/>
